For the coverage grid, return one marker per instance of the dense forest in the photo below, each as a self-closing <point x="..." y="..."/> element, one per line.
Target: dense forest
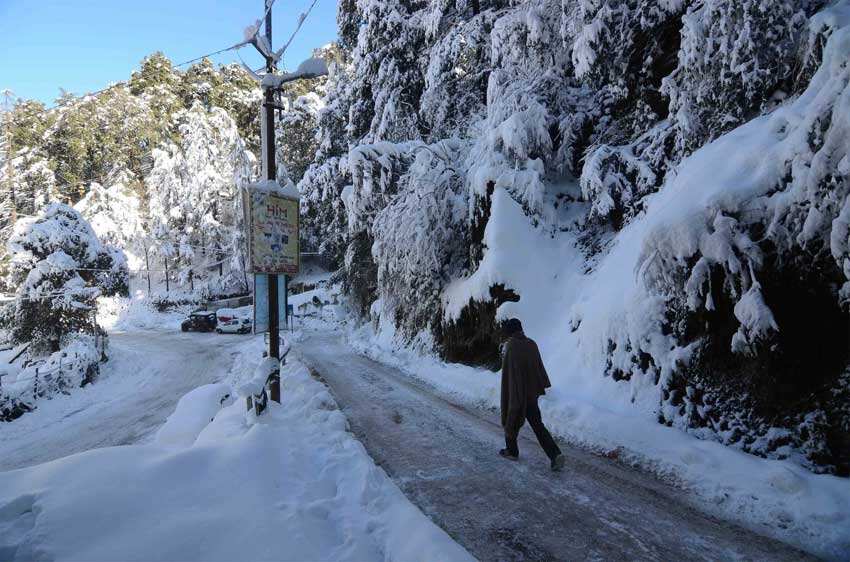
<point x="661" y="188"/>
<point x="658" y="187"/>
<point x="155" y="163"/>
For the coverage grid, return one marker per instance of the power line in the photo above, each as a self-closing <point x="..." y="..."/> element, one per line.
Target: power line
<point x="301" y="19"/>
<point x="231" y="48"/>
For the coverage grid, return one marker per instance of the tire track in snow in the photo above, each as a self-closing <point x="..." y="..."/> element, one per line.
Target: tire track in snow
<point x="147" y="373"/>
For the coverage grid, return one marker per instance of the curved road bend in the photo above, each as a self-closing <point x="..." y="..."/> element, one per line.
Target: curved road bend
<point x="146" y="375"/>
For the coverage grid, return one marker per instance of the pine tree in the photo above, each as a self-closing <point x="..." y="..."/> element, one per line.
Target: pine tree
<point x="158" y="84"/>
<point x="240" y="96"/>
<point x="200" y="83"/>
<point x="297" y="134"/>
<point x="58" y="269"/>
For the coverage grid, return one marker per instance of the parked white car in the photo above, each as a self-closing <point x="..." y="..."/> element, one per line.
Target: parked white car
<point x="235" y="326"/>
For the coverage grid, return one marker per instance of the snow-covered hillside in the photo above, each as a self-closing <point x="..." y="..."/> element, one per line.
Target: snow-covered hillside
<point x="657" y="190"/>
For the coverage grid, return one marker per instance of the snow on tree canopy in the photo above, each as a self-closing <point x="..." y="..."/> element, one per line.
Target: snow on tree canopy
<point x="59" y="267"/>
<point x="742" y="254"/>
<point x="195" y="209"/>
<point x="646" y="182"/>
<point x="115" y="216"/>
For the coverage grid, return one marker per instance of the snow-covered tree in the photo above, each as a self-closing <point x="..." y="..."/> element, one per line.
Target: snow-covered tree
<point x="240" y="96"/>
<point x="734" y="57"/>
<point x="296" y="134"/>
<point x="97" y="139"/>
<point x="114" y="214"/>
<point x="58" y="269"/>
<point x="420" y="238"/>
<point x="199" y="83"/>
<point x="32" y="182"/>
<point x="194" y="187"/>
<point x="387" y="82"/>
<point x="158" y="83"/>
<point x="324" y="228"/>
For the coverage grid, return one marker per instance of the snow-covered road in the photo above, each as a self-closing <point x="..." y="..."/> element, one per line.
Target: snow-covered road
<point x="147" y="373"/>
<point x="444" y="459"/>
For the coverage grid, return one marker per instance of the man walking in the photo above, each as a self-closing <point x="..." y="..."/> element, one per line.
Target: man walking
<point x="524" y="380"/>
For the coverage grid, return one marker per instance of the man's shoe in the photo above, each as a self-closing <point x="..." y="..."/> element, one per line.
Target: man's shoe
<point x="558" y="463"/>
<point x="507" y="454"/>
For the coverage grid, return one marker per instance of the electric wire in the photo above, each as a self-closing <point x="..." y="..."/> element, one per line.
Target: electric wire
<point x="301" y="18"/>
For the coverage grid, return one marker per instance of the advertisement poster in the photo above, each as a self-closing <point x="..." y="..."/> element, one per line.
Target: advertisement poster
<point x="261" y="303"/>
<point x="273" y="241"/>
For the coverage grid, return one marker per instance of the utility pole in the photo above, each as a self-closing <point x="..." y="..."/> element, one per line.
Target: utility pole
<point x="280" y="252"/>
<point x="271" y="174"/>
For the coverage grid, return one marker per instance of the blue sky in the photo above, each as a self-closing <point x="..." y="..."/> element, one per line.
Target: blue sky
<point x="83" y="45"/>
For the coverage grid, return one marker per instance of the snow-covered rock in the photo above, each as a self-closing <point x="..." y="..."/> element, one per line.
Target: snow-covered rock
<point x="194" y="412"/>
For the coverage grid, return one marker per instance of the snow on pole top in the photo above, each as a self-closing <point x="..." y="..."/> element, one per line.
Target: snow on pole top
<point x="288" y="190"/>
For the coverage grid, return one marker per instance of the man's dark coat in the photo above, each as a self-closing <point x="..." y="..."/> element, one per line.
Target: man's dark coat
<point x="524" y="379"/>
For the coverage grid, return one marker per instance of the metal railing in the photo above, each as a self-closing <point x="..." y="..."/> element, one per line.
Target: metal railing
<point x="259" y="402"/>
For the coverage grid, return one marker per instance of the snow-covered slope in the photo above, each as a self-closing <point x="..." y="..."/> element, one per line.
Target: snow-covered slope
<point x="657" y="190"/>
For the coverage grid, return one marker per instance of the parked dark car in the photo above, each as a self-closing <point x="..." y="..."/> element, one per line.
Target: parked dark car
<point x="200" y="321"/>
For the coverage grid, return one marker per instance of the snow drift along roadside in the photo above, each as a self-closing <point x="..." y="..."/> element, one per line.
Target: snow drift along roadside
<point x="290" y="485"/>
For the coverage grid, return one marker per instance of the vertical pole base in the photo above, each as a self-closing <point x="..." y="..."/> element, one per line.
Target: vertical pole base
<point x="274" y="387"/>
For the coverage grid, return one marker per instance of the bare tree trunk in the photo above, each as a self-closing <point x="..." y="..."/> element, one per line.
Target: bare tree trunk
<point x="148" y="269"/>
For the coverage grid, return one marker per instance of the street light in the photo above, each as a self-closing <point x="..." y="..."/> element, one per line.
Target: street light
<point x="313" y="67"/>
<point x="275" y="200"/>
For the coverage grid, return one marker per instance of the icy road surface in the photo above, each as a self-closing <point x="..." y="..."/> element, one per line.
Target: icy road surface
<point x="146" y="375"/>
<point x="444" y="459"/>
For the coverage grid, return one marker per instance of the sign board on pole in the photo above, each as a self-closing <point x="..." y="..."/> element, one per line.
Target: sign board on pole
<point x="271" y="217"/>
<point x="261" y="302"/>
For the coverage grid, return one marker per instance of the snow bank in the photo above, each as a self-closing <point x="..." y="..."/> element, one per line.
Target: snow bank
<point x="76" y="364"/>
<point x="292" y="484"/>
<point x="508" y="236"/>
<point x="194" y="412"/>
<point x="254" y="386"/>
<point x="137" y="313"/>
